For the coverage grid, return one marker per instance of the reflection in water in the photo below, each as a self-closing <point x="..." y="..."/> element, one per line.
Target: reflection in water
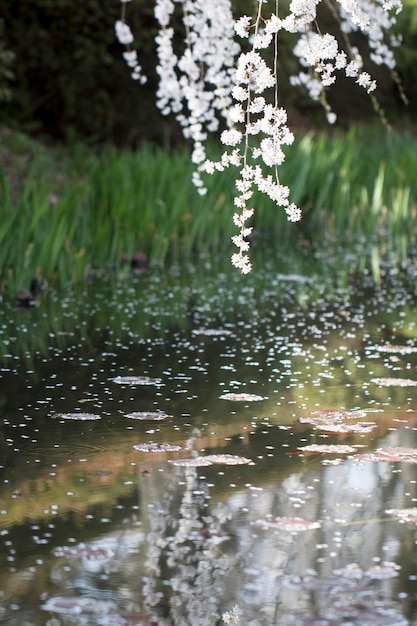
<point x="248" y="468"/>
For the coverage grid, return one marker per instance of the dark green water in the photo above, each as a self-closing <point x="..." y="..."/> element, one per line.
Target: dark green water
<point x="94" y="530"/>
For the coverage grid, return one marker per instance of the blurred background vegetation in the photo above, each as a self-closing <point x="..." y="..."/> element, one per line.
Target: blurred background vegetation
<point x="62" y="74"/>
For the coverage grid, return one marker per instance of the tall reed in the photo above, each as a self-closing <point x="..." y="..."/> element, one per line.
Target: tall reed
<point x="68" y="218"/>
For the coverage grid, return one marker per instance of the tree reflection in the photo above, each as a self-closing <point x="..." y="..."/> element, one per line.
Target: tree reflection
<point x="187" y="560"/>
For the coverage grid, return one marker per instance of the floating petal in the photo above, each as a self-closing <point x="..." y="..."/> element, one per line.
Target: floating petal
<point x="317" y="448"/>
<point x="397" y="349"/>
<point x="394" y="382"/>
<point x="212" y="332"/>
<point x="228" y="459"/>
<point x="338" y="414"/>
<point x="157" y="447"/>
<point x="83" y="550"/>
<point x="393" y="454"/>
<point x="83" y="417"/>
<point x="241" y="397"/>
<point x="338" y="426"/>
<point x="289" y="524"/>
<point x="136" y="380"/>
<point x="405" y="515"/>
<point x="154" y="416"/>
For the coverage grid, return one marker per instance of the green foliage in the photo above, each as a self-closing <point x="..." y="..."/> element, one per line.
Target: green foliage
<point x="66" y="214"/>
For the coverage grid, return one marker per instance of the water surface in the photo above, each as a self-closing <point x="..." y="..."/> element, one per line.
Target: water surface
<point x="299" y="389"/>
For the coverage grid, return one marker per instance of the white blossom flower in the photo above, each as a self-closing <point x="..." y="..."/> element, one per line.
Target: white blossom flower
<point x="236" y="113"/>
<point x="123" y="33"/>
<point x="257" y="105"/>
<point x="239" y="93"/>
<point x="262" y="40"/>
<point x="240" y="242"/>
<point x="231" y="137"/>
<point x="131" y="57"/>
<point x="271" y="152"/>
<point x="352" y="69"/>
<point x="209" y="167"/>
<point x="242" y="262"/>
<point x="235" y="158"/>
<point x="293" y="213"/>
<point x="163" y="11"/>
<point x="340" y="60"/>
<point x="242" y="26"/>
<point x="273" y="25"/>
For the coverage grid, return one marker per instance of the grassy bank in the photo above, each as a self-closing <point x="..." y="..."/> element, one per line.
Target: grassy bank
<point x="64" y="213"/>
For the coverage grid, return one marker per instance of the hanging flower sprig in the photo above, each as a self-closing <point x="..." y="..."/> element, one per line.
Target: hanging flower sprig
<point x="259" y="131"/>
<point x="125" y="37"/>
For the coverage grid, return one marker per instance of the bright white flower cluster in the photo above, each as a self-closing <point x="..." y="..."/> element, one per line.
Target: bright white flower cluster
<point x="320" y="52"/>
<point x="208" y="83"/>
<point x="196" y="85"/>
<point x="259" y="128"/>
<point x="125" y="37"/>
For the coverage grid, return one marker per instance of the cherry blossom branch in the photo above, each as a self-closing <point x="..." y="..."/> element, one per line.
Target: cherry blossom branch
<point x="212" y="83"/>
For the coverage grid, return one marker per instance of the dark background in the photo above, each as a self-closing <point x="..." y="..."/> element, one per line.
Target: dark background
<point x="62" y="74"/>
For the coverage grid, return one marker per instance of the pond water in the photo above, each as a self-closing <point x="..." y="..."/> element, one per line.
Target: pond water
<point x="197" y="448"/>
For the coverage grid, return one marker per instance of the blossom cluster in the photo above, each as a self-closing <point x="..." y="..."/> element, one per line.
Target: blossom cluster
<point x="125" y="37"/>
<point x="196" y="85"/>
<point x="213" y="84"/>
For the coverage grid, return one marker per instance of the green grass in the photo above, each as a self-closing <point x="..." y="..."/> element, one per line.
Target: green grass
<point x="66" y="212"/>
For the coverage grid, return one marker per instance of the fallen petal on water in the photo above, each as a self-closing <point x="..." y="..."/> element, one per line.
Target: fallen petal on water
<point x="290" y="524"/>
<point x="394" y="382"/>
<point x="397" y="349"/>
<point x="83" y="417"/>
<point x="228" y="459"/>
<point x="405" y="515"/>
<point x="338" y="426"/>
<point x="157" y="447"/>
<point x="241" y="397"/>
<point x="83" y="550"/>
<point x="154" y="416"/>
<point x="136" y="380"/>
<point x="338" y="414"/>
<point x="212" y="332"/>
<point x="317" y="448"/>
<point x="394" y="454"/>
